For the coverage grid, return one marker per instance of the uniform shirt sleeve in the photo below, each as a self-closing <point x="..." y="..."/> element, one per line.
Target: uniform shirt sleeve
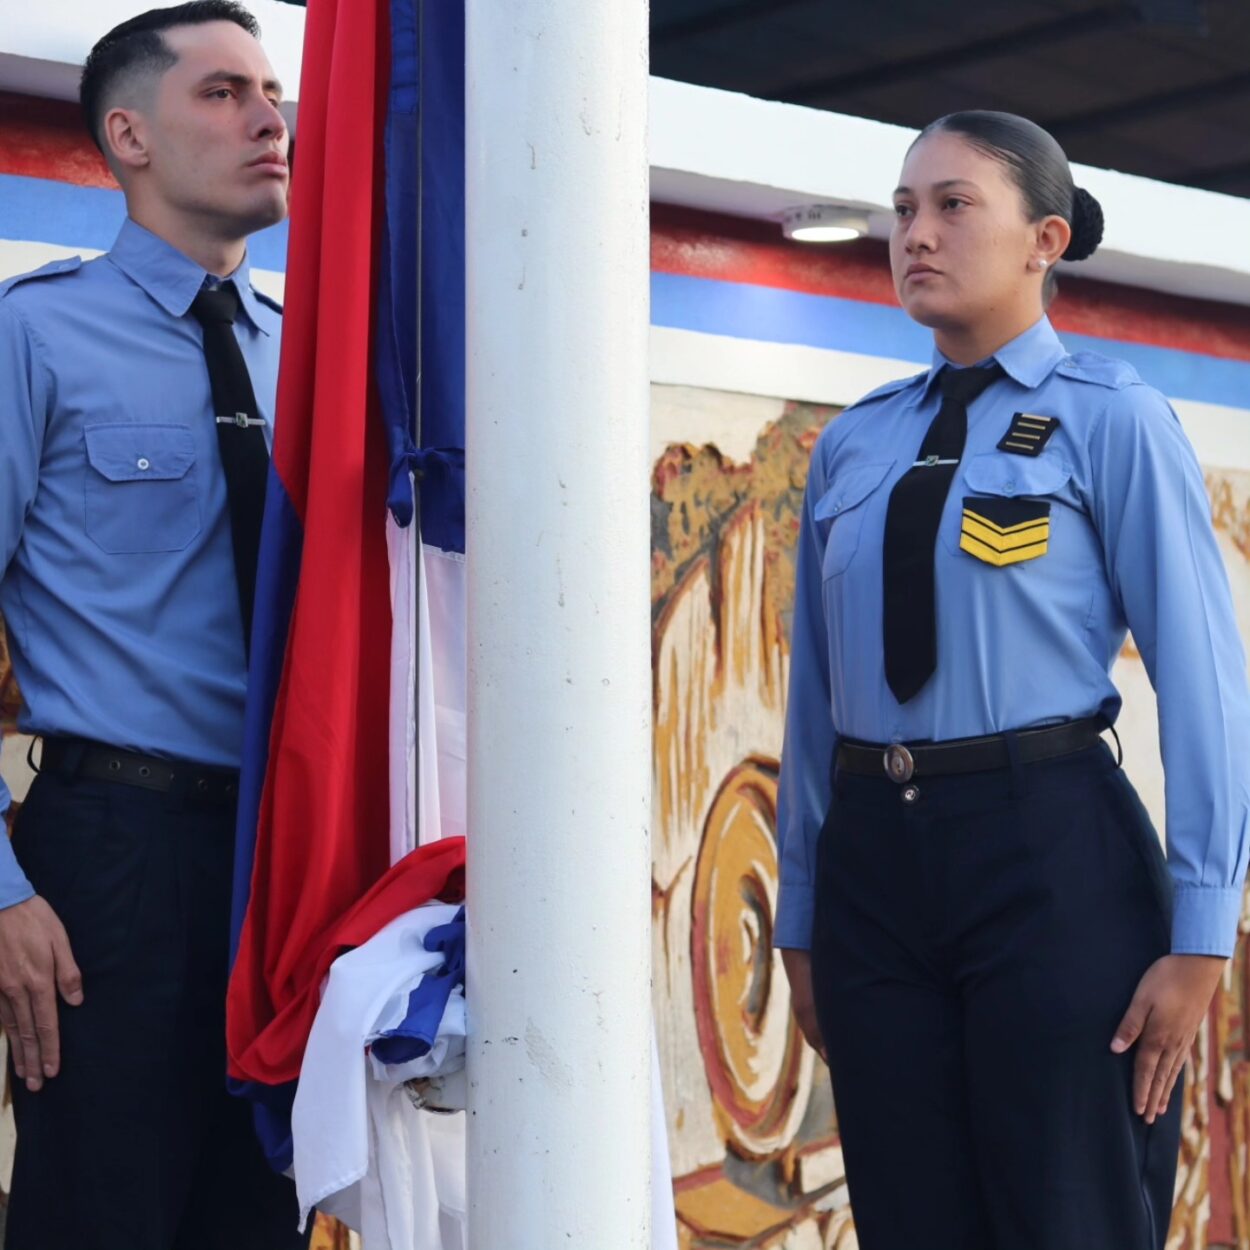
<point x="23" y="407"/>
<point x="805" y="792"/>
<point x="1154" y="519"/>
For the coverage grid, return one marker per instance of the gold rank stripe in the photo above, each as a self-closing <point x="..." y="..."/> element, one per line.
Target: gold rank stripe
<point x="1006" y="542"/>
<point x="1005" y="529"/>
<point x="1000" y="558"/>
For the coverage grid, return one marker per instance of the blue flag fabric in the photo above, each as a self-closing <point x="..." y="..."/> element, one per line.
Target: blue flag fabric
<point x="423" y="400"/>
<point x="417" y="1033"/>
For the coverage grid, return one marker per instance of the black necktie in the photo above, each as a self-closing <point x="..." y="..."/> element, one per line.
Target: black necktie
<point x="240" y="437"/>
<point x="911" y="526"/>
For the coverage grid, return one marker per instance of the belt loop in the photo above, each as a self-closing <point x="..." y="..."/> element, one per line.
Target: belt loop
<point x="1019" y="779"/>
<point x="1119" y="748"/>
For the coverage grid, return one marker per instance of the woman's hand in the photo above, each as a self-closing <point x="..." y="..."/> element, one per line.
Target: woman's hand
<point x="1163" y="1017"/>
<point x="798" y="965"/>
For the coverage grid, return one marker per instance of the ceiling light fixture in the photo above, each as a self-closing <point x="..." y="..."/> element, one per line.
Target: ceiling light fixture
<point x="823" y="223"/>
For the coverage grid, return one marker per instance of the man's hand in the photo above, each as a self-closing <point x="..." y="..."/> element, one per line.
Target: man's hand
<point x="35" y="962"/>
<point x="1165" y="1013"/>
<point x="798" y="966"/>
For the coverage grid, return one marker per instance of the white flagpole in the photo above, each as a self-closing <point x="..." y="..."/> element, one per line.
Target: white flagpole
<point x="558" y="626"/>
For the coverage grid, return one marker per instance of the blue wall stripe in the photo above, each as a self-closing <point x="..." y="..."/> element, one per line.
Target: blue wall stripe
<point x="772" y="315"/>
<point x="38" y="210"/>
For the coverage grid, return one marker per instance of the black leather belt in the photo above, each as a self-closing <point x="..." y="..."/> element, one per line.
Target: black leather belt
<point x="78" y="758"/>
<point x="901" y="762"/>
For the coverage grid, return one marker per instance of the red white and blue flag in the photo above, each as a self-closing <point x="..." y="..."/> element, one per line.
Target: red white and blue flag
<point x="354" y="741"/>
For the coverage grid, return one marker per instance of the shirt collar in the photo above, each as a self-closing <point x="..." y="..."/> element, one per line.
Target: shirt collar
<point x="170" y="278"/>
<point x="1028" y="359"/>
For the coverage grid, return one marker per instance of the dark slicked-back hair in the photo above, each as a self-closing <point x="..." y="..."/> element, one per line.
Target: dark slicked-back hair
<point x="138" y="47"/>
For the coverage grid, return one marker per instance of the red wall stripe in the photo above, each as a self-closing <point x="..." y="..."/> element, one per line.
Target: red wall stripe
<point x="46" y="139"/>
<point x="733" y="249"/>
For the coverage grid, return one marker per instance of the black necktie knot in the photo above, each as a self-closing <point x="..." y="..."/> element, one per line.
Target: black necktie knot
<point x="965" y="385"/>
<point x="216" y="304"/>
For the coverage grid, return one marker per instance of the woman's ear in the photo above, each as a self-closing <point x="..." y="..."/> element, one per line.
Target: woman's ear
<point x="1051" y="239"/>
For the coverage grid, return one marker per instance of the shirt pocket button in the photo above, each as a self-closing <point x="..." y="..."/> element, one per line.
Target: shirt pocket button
<point x="143" y="462"/>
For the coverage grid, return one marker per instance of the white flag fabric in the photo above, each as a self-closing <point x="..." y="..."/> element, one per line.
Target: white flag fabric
<point x="363" y="1152"/>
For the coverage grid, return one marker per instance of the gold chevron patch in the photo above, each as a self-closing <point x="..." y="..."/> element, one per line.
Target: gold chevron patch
<point x="1028" y="434"/>
<point x="1002" y="531"/>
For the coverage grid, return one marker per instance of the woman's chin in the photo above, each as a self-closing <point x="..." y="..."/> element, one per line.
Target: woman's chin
<point x="927" y="310"/>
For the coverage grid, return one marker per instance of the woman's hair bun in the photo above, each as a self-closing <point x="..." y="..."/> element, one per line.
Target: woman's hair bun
<point x="1086" y="226"/>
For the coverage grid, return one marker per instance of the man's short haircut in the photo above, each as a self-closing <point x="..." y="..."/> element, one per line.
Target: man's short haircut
<point x="137" y="47"/>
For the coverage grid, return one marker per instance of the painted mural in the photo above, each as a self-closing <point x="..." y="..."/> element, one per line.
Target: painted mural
<point x="751" y="1118"/>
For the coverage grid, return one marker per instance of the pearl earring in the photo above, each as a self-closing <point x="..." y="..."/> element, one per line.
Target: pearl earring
<point x="1041" y="264"/>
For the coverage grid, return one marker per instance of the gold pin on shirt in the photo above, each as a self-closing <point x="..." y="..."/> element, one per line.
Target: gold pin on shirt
<point x="1028" y="434"/>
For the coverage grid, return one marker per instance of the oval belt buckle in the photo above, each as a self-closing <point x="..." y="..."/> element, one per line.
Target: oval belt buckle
<point x="899" y="765"/>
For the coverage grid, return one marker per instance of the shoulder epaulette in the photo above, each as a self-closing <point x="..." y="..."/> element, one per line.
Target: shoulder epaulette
<point x="267" y="300"/>
<point x="51" y="270"/>
<point x="1098" y="369"/>
<point x="890" y="388"/>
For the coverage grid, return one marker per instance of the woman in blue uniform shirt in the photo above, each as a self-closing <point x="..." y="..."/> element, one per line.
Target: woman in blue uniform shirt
<point x="979" y="927"/>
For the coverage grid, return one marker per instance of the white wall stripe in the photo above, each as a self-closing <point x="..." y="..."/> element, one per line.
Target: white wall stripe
<point x="786" y="370"/>
<point x="18" y="256"/>
<point x="1220" y="434"/>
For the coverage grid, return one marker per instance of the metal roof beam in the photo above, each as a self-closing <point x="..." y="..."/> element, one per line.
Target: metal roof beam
<point x="1025" y="39"/>
<point x="1148" y="106"/>
<point x="716" y="19"/>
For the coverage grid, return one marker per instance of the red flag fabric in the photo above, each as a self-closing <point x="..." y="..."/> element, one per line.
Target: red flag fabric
<point x="322" y="844"/>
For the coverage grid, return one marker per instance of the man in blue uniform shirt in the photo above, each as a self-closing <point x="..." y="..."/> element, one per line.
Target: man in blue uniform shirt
<point x="129" y="512"/>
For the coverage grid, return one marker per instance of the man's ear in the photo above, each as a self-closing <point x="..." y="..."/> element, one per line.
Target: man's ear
<point x="124" y="138"/>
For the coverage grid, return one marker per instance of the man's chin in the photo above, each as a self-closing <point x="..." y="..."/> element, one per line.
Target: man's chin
<point x="263" y="213"/>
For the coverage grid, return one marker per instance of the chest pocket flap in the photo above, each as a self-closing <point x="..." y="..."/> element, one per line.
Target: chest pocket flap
<point x="141" y="492"/>
<point x="850" y="489"/>
<point x="140" y="453"/>
<point x="996" y="473"/>
<point x="839" y="515"/>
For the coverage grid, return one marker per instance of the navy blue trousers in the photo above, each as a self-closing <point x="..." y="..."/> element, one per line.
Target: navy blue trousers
<point x="973" y="953"/>
<point x="136" y="1145"/>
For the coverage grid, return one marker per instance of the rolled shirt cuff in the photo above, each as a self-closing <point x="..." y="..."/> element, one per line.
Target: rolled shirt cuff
<point x="1205" y="919"/>
<point x="792" y="927"/>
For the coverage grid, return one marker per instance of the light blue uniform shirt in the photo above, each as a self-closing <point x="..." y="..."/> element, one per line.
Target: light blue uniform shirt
<point x="1131" y="546"/>
<point x="118" y="585"/>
